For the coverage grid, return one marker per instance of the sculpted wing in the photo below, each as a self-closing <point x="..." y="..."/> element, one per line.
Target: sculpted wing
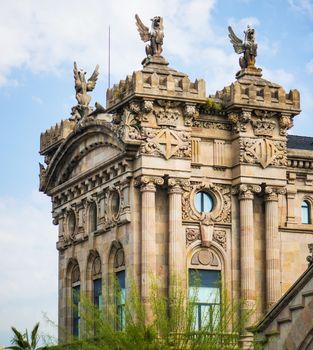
<point x="237" y="43"/>
<point x="142" y="29"/>
<point x="93" y="79"/>
<point x="78" y="83"/>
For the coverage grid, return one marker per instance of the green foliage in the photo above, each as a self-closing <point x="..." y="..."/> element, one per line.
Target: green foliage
<point x="21" y="341"/>
<point x="210" y="106"/>
<point x="172" y="323"/>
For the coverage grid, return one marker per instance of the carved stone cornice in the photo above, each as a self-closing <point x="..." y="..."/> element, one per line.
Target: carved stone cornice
<point x="246" y="191"/>
<point x="271" y="193"/>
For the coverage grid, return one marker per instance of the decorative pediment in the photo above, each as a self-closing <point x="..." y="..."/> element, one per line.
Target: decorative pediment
<point x="79" y="153"/>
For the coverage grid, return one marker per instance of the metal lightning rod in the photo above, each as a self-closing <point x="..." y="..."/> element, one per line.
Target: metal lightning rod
<point x="109" y="59"/>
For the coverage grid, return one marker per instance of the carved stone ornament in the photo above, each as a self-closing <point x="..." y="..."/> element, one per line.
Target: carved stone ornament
<point x="239" y="120"/>
<point x="205" y="257"/>
<point x="246" y="191"/>
<point x="264" y="151"/>
<point x="145" y="181"/>
<point x="271" y="193"/>
<point x="119" y="258"/>
<point x="190" y="112"/>
<point x="128" y="127"/>
<point x="168" y="114"/>
<point x="193" y="234"/>
<point x="96" y="266"/>
<point x="285" y="122"/>
<point x="167" y="143"/>
<point x="221" y="212"/>
<point x="208" y="124"/>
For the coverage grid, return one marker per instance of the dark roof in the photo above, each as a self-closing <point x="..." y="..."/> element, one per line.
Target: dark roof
<point x="300" y="142"/>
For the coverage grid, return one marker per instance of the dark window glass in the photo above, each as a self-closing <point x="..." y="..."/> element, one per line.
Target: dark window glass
<point x="306" y="212"/>
<point x="97" y="293"/>
<point x="76" y="310"/>
<point x="120" y="302"/>
<point x="203" y="202"/>
<point x="205" y="294"/>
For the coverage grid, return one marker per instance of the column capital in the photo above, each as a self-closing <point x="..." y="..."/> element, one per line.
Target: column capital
<point x="148" y="183"/>
<point x="246" y="191"/>
<point x="271" y="193"/>
<point x="176" y="185"/>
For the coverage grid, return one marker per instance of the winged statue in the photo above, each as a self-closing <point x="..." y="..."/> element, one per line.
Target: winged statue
<point x="248" y="47"/>
<point x="155" y="35"/>
<point x="82" y="86"/>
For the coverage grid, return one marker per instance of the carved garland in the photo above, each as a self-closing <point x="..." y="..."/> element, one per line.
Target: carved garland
<point x="221" y="212"/>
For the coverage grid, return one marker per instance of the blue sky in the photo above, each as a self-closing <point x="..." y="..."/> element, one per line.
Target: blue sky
<point x="41" y="39"/>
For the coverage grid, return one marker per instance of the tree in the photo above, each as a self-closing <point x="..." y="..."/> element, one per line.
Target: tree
<point x="22" y="342"/>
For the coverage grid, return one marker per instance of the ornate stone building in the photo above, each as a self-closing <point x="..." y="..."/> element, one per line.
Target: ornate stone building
<point x="164" y="181"/>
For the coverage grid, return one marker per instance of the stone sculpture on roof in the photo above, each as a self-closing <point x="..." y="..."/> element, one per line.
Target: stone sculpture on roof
<point x="82" y="109"/>
<point x="155" y="35"/>
<point x="248" y="47"/>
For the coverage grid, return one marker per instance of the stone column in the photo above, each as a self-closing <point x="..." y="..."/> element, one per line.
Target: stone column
<point x="247" y="259"/>
<point x="148" y="237"/>
<point x="272" y="246"/>
<point x="176" y="235"/>
<point x="247" y="268"/>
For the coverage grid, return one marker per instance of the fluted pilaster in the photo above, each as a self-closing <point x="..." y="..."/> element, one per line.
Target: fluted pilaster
<point x="148" y="236"/>
<point x="176" y="236"/>
<point x="272" y="251"/>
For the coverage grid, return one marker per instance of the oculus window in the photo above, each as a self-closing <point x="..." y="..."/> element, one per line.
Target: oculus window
<point x="204" y="202"/>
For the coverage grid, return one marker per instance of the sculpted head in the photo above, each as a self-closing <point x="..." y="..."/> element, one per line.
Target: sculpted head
<point x="156" y="22"/>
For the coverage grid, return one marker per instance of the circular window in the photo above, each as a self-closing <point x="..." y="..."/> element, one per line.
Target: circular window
<point x="71" y="223"/>
<point x="203" y="202"/>
<point x="115" y="204"/>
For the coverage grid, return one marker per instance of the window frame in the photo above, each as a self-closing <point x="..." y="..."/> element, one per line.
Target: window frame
<point x="307" y="206"/>
<point x="199" y="304"/>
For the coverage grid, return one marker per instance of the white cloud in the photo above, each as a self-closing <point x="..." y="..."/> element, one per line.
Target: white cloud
<point x="309" y="66"/>
<point x="42" y="36"/>
<point x="279" y="76"/>
<point x="303" y="6"/>
<point x="28" y="263"/>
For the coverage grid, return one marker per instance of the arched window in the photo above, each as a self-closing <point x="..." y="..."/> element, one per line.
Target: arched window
<point x="205" y="288"/>
<point x="97" y="283"/>
<point x="93" y="220"/>
<point x="203" y="202"/>
<point x="306" y="212"/>
<point x="119" y="268"/>
<point x="75" y="301"/>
